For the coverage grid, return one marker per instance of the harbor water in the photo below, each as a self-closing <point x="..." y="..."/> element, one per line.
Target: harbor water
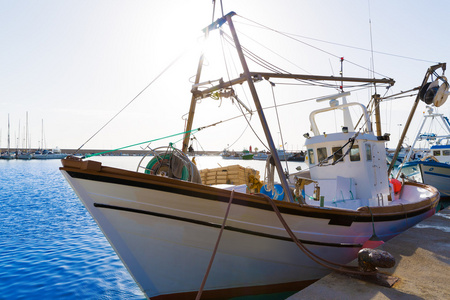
<point x="50" y="247"/>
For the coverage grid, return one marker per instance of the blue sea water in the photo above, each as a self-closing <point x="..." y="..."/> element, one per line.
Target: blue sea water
<point x="50" y="247"/>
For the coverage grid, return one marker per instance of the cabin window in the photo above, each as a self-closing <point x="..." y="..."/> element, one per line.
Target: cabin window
<point x="437" y="152"/>
<point x="446" y="152"/>
<point x="354" y="153"/>
<point x="368" y="152"/>
<point x="322" y="155"/>
<point x="337" y="154"/>
<point x="311" y="156"/>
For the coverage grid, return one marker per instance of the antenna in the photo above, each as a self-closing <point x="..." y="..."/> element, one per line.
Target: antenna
<point x="371" y="47"/>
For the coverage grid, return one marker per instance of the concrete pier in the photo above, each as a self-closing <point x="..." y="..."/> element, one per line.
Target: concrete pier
<point x="422" y="256"/>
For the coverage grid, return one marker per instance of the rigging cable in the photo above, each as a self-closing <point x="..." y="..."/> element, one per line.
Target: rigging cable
<point x="314" y="47"/>
<point x="279" y="125"/>
<point x="135" y="97"/>
<point x="269" y="66"/>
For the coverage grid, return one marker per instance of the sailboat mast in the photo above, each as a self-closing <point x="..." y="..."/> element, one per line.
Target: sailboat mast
<point x="9" y="138"/>
<point x="262" y="117"/>
<point x="42" y="134"/>
<point x="26" y="134"/>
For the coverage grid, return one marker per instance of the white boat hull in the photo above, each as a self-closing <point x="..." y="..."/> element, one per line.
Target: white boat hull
<point x="164" y="230"/>
<point x="429" y="172"/>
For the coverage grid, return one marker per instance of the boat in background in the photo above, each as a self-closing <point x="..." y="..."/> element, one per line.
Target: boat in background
<point x="282" y="155"/>
<point x="246" y="155"/>
<point x="24" y="155"/>
<point x="165" y="223"/>
<point x="297" y="156"/>
<point x="230" y="155"/>
<point x="7" y="154"/>
<point x="434" y="167"/>
<point x="260" y="155"/>
<point x="50" y="154"/>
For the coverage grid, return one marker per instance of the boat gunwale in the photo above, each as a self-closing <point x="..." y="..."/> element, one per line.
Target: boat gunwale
<point x="95" y="169"/>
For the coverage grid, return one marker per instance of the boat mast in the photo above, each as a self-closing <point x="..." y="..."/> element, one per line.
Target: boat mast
<point x="259" y="109"/>
<point x="411" y="114"/>
<point x="187" y="131"/>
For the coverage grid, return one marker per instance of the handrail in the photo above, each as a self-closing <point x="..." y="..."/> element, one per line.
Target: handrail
<point x="312" y="115"/>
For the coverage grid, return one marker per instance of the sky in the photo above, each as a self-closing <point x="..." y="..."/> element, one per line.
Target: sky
<point x="74" y="65"/>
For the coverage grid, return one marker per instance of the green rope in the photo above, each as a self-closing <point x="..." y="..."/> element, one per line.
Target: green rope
<point x="146" y="142"/>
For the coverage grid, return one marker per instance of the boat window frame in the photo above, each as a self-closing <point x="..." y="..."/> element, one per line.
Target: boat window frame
<point x="338" y="155"/>
<point x="321" y="158"/>
<point x="311" y="157"/>
<point x="445" y="152"/>
<point x="436" y="152"/>
<point x="368" y="152"/>
<point x="357" y="156"/>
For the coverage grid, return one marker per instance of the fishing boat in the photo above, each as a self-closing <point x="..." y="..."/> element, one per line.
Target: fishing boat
<point x="246" y="155"/>
<point x="230" y="155"/>
<point x="297" y="156"/>
<point x="282" y="155"/>
<point x="260" y="156"/>
<point x="180" y="238"/>
<point x="434" y="167"/>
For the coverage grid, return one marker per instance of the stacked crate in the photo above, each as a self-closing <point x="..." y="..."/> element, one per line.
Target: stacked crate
<point x="228" y="175"/>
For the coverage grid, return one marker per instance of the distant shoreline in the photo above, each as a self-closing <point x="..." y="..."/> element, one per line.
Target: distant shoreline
<point x="114" y="153"/>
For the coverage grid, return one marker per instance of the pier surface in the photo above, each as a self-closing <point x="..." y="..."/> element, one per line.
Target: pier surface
<point x="422" y="255"/>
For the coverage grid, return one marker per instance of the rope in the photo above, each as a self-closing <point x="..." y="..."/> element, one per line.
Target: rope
<point x="135" y="97"/>
<point x="279" y="125"/>
<point x="321" y="261"/>
<point x="108" y="151"/>
<point x="200" y="291"/>
<point x="373" y="222"/>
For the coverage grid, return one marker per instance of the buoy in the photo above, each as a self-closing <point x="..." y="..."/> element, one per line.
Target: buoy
<point x="397" y="184"/>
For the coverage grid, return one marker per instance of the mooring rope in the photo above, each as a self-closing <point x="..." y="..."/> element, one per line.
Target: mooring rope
<point x="200" y="291"/>
<point x="319" y="260"/>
